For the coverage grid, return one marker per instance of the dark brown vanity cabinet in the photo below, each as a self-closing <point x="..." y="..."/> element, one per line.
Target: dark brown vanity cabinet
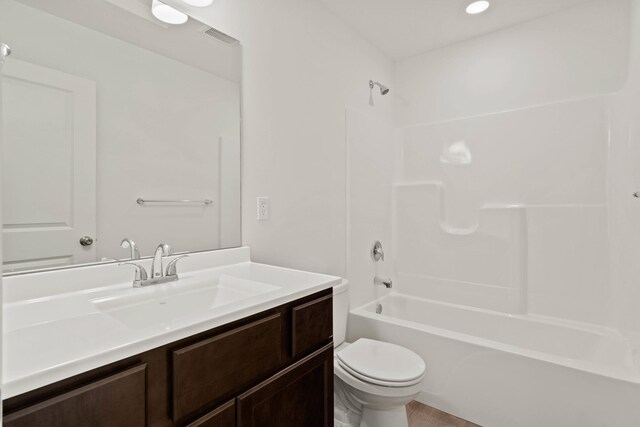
<point x="271" y="369"/>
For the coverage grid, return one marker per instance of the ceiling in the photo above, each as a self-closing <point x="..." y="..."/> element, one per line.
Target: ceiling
<point x="404" y="28"/>
<point x="132" y="22"/>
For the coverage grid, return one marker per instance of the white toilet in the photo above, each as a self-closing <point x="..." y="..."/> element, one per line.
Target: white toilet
<point x="373" y="380"/>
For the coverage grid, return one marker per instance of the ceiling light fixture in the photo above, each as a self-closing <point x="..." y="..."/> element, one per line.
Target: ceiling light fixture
<point x="167" y="14"/>
<point x="198" y="3"/>
<point x="478" y="7"/>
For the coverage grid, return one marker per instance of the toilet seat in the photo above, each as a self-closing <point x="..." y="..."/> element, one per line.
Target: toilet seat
<point x="359" y="386"/>
<point x="376" y="381"/>
<point x="381" y="363"/>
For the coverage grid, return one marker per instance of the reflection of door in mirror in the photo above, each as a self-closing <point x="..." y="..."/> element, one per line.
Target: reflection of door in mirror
<point x="48" y="167"/>
<point x="104" y="106"/>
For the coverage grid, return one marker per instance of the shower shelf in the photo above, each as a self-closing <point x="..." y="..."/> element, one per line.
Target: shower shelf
<point x="440" y="206"/>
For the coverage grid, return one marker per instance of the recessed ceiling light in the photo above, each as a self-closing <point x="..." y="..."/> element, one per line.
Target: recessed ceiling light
<point x="478" y="7"/>
<point x="198" y="3"/>
<point x="167" y="14"/>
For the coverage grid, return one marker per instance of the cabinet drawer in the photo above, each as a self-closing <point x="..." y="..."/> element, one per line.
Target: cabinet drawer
<point x="212" y="369"/>
<point x="312" y="325"/>
<point x="223" y="416"/>
<point x="118" y="400"/>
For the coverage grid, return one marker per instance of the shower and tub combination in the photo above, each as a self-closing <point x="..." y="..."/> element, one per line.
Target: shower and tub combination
<point x="482" y="303"/>
<point x="504" y="370"/>
<point x="514" y="231"/>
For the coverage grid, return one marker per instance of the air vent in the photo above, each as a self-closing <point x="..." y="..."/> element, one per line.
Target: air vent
<point x="221" y="36"/>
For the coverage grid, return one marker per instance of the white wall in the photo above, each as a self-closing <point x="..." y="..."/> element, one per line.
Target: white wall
<point x="579" y="52"/>
<point x="302" y="68"/>
<point x="519" y="118"/>
<point x="150" y="142"/>
<point x="370" y="169"/>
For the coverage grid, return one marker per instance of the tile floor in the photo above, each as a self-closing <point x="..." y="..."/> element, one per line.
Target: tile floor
<point x="425" y="416"/>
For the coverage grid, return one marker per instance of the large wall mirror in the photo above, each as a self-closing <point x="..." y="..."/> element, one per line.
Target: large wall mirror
<point x="115" y="125"/>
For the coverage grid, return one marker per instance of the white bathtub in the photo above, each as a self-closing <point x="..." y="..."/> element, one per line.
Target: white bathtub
<point x="501" y="370"/>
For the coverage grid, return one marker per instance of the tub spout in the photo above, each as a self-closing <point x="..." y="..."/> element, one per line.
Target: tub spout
<point x="387" y="283"/>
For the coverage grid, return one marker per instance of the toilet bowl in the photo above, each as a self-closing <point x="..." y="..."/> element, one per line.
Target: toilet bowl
<point x="373" y="380"/>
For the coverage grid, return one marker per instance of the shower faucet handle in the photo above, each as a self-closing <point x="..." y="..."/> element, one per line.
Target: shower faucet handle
<point x="376" y="252"/>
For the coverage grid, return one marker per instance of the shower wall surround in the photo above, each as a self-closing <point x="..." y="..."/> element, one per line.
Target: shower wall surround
<point x="499" y="204"/>
<point x="507" y="143"/>
<point x="623" y="179"/>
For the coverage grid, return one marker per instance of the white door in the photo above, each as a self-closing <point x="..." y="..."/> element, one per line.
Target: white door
<point x="48" y="167"/>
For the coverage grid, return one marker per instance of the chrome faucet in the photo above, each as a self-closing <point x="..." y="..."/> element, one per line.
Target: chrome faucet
<point x="130" y="244"/>
<point x="141" y="277"/>
<point x="163" y="250"/>
<point x="158" y="273"/>
<point x="388" y="283"/>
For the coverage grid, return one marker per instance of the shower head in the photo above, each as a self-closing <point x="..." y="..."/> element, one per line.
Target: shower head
<point x="383" y="89"/>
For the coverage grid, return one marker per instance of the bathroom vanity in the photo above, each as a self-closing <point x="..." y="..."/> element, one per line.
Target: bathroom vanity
<point x="254" y="347"/>
<point x="100" y="162"/>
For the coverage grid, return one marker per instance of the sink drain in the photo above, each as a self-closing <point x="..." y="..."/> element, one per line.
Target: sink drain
<point x="378" y="308"/>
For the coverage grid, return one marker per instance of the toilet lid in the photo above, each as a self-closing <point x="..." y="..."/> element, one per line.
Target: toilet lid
<point x="382" y="362"/>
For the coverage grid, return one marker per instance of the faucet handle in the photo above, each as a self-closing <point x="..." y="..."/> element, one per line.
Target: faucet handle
<point x="376" y="252"/>
<point x="171" y="267"/>
<point x="141" y="273"/>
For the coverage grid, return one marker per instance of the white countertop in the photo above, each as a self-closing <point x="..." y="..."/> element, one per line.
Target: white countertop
<point x="57" y="326"/>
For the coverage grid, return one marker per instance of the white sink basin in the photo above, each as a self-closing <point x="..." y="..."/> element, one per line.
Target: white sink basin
<point x="164" y="304"/>
<point x="64" y="322"/>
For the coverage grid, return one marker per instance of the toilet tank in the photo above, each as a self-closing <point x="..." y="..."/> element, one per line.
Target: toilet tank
<point x="340" y="311"/>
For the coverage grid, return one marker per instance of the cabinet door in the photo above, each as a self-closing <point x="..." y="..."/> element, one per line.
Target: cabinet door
<point x="300" y="395"/>
<point x="118" y="400"/>
<point x="223" y="416"/>
<point x="311" y="325"/>
<point x="210" y="371"/>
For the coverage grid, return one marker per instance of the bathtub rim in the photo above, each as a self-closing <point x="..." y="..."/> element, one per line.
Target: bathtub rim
<point x="593" y="368"/>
